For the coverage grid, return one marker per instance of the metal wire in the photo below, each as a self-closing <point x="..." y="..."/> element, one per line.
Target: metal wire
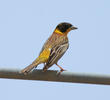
<point x="53" y="75"/>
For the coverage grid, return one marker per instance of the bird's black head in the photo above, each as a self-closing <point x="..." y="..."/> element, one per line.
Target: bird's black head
<point x="65" y="27"/>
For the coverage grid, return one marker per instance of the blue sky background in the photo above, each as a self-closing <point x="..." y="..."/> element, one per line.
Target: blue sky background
<point x="24" y="27"/>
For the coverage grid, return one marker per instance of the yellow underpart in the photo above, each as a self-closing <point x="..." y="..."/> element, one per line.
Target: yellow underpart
<point x="45" y="54"/>
<point x="58" y="31"/>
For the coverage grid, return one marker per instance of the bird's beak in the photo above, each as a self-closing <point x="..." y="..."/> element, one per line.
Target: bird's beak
<point x="73" y="28"/>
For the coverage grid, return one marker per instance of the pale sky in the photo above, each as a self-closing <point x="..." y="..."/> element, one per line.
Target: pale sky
<point x="24" y="27"/>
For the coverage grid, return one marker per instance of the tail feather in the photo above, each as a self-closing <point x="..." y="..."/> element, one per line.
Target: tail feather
<point x="30" y="67"/>
<point x="38" y="61"/>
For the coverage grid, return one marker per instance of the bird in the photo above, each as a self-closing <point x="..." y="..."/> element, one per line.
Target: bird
<point x="53" y="49"/>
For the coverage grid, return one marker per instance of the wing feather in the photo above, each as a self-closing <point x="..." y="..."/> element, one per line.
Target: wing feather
<point x="56" y="53"/>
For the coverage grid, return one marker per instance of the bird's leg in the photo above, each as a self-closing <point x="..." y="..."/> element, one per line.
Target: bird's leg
<point x="44" y="64"/>
<point x="61" y="69"/>
<point x="44" y="69"/>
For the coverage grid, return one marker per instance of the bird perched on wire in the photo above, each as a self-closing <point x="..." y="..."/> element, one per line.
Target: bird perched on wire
<point x="53" y="49"/>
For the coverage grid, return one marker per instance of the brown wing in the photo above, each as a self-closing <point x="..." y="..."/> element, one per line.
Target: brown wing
<point x="56" y="53"/>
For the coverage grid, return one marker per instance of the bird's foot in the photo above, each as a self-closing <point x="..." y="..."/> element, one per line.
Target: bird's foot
<point x="59" y="73"/>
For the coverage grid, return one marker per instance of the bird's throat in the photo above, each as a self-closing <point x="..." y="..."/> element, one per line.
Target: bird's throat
<point x="58" y="32"/>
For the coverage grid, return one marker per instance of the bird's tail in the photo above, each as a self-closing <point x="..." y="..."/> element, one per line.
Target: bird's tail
<point x="31" y="66"/>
